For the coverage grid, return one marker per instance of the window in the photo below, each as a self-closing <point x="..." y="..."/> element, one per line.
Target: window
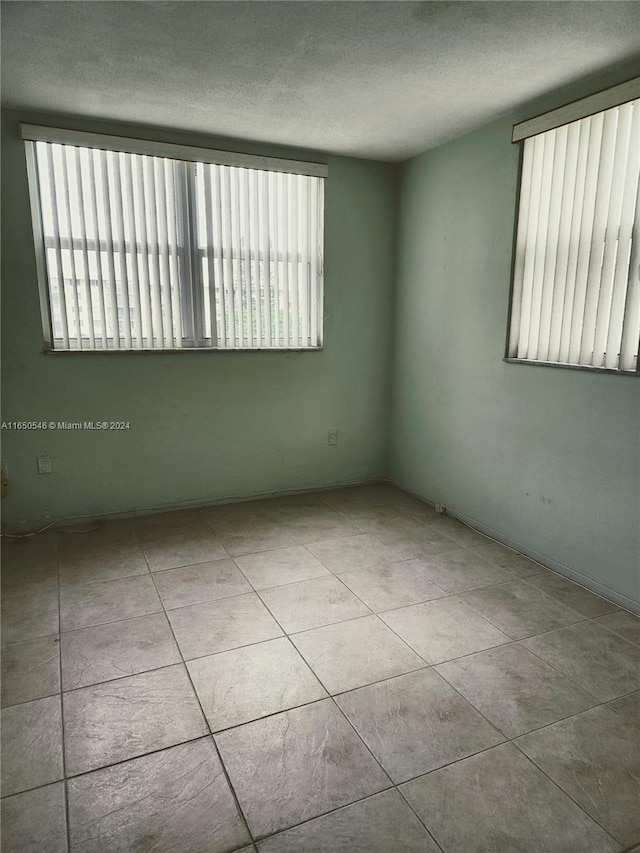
<point x="144" y="246"/>
<point x="576" y="278"/>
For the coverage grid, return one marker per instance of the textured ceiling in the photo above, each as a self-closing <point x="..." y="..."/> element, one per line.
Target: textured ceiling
<point x="384" y="80"/>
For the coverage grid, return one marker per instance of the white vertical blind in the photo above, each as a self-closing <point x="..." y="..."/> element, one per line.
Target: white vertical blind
<point x="147" y="252"/>
<point x="132" y="239"/>
<point x="273" y="241"/>
<point x="525" y="259"/>
<point x="72" y="255"/>
<point x="576" y="287"/>
<point x="254" y="213"/>
<point x="142" y="253"/>
<point x="55" y="267"/>
<point x="101" y="329"/>
<point x="86" y="274"/>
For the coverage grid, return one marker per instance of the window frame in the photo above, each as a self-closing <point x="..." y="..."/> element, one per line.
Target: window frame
<point x="187" y="226"/>
<point x="574" y="111"/>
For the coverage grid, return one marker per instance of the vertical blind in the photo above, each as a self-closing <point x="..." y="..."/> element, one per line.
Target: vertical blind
<point x="146" y="252"/>
<point x="576" y="281"/>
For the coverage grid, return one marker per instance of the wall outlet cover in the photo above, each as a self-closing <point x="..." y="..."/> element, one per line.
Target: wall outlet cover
<point x="44" y="464"/>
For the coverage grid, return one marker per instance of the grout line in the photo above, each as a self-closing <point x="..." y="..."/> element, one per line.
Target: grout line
<point x="67" y="824"/>
<point x="566" y="793"/>
<point x="609" y="702"/>
<point x="98" y="581"/>
<point x="393" y="786"/>
<point x="331" y="697"/>
<point x="618" y="635"/>
<point x="28" y="640"/>
<point x="447" y="660"/>
<point x="38" y="698"/>
<point x="568" y="678"/>
<point x="328" y="698"/>
<point x="291" y="634"/>
<point x="337" y="809"/>
<point x="97" y="625"/>
<point x="111" y="764"/>
<point x="428" y="831"/>
<point x="111" y="621"/>
<point x="206" y="722"/>
<point x="504" y="631"/>
<point x="312" y="628"/>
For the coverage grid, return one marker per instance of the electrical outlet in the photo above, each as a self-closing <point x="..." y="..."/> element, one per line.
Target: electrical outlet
<point x="44" y="464"/>
<point x="332" y="437"/>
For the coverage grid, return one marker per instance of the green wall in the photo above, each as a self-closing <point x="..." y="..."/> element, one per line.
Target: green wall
<point x="418" y="268"/>
<point x="204" y="426"/>
<point x="546" y="458"/>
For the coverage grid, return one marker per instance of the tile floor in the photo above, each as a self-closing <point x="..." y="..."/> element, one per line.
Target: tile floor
<point x="344" y="671"/>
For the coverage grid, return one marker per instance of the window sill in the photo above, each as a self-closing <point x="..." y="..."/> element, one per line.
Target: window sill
<point x="571" y="366"/>
<point x="180" y="351"/>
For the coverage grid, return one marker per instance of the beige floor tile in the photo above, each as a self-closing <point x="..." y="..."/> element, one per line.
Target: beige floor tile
<point x="308" y="769"/>
<point x="241" y="514"/>
<point x="245" y="684"/>
<point x="461" y="570"/>
<point x="624" y="624"/>
<point x="379" y="824"/>
<point x="391" y="585"/>
<point x="29" y="564"/>
<point x="201" y="582"/>
<point x="520" y="610"/>
<point x="352" y="654"/>
<point x="249" y="538"/>
<point x="499" y="802"/>
<point x="103" y="532"/>
<point x="351" y="552"/>
<point x="32" y="576"/>
<point x="302" y="505"/>
<point x="122" y="719"/>
<point x="217" y="626"/>
<point x="515" y="564"/>
<point x="599" y="661"/>
<point x="443" y="629"/>
<point x="514" y="689"/>
<point x="319" y="525"/>
<point x="281" y="566"/>
<point x="174" y="800"/>
<point x="106" y="652"/>
<point x="367" y="519"/>
<point x="628" y="707"/>
<point x="415" y="723"/>
<point x="595" y="758"/>
<point x="170" y="548"/>
<point x="35" y="821"/>
<point x="574" y="596"/>
<point x="461" y="534"/>
<point x="30" y="670"/>
<point x="312" y="604"/>
<point x="294" y="766"/>
<point x="31" y="745"/>
<point x="109" y="601"/>
<point x="101" y="561"/>
<point x="410" y="538"/>
<point x="30" y="614"/>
